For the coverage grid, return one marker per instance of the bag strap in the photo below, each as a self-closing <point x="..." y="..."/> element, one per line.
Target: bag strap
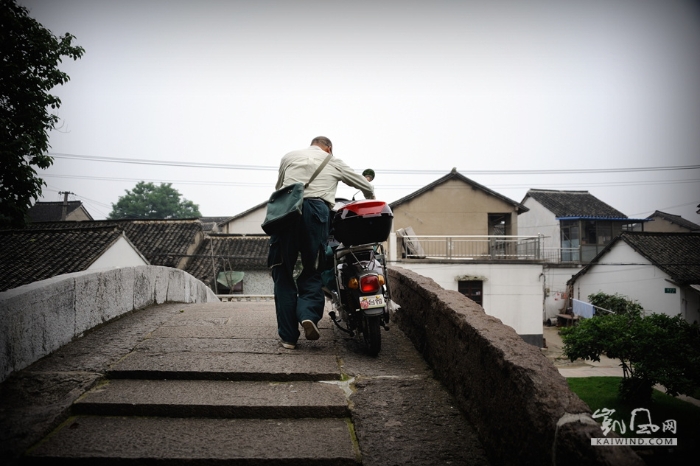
<point x="318" y="170"/>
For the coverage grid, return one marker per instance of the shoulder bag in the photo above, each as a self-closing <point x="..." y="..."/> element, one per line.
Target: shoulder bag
<point x="285" y="204"/>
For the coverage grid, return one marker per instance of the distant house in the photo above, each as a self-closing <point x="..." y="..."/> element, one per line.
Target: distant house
<point x="659" y="270"/>
<point x="233" y="264"/>
<point x="468" y="237"/>
<point x="215" y="259"/>
<point x="169" y="243"/>
<point x="58" y="211"/>
<point x="30" y="255"/>
<point x="245" y="223"/>
<point x="663" y="222"/>
<point x="576" y="224"/>
<point x="456" y="205"/>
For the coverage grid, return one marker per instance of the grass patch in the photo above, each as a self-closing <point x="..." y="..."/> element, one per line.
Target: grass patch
<point x="601" y="393"/>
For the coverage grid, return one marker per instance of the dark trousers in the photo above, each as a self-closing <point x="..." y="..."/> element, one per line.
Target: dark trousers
<point x="303" y="299"/>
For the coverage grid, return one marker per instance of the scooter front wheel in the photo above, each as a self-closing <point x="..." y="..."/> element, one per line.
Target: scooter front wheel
<point x="371" y="334"/>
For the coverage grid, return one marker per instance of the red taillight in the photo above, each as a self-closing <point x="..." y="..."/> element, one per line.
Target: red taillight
<point x="369" y="284"/>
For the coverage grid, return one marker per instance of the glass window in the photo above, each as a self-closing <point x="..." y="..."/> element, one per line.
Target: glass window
<point x="589" y="232"/>
<point x="604" y="233"/>
<point x="472" y="289"/>
<point x="570" y="240"/>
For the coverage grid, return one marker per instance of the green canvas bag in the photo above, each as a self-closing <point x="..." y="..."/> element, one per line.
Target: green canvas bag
<point x="284" y="205"/>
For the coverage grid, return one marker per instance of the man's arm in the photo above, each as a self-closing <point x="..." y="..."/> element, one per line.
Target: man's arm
<point x="349" y="177"/>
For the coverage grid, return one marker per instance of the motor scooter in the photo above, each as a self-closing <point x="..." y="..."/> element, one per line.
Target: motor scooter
<point x="359" y="286"/>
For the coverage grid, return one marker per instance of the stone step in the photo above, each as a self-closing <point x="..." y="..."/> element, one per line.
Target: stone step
<point x="295" y="366"/>
<point x="145" y="440"/>
<point x="214" y="399"/>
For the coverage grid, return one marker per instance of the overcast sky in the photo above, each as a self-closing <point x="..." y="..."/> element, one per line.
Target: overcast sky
<point x="409" y="88"/>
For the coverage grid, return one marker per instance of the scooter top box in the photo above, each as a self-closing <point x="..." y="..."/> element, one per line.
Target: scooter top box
<point x="362" y="222"/>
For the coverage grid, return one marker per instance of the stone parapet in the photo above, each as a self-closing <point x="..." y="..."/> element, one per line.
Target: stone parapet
<point x="39" y="318"/>
<point x="521" y="407"/>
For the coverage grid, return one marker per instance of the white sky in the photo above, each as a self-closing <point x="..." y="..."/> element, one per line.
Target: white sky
<point x="422" y="86"/>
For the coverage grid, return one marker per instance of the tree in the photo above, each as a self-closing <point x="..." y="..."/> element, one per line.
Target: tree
<point x="150" y="201"/>
<point x="30" y="56"/>
<point x="656" y="349"/>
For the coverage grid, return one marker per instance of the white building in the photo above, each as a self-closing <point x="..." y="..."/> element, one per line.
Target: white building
<point x="659" y="270"/>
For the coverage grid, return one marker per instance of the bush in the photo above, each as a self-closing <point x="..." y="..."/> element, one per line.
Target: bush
<point x="657" y="349"/>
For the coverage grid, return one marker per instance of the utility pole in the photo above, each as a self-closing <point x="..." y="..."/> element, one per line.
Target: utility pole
<point x="64" y="209"/>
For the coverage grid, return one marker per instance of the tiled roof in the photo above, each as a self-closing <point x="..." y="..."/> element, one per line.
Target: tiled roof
<point x="162" y="242"/>
<point x="573" y="204"/>
<point x="52" y="211"/>
<point x="455" y="175"/>
<point x="33" y="254"/>
<point x="677" y="254"/>
<point x="676" y="219"/>
<point x="230" y="252"/>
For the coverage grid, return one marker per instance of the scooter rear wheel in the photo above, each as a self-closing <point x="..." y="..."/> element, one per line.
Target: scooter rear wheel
<point x="371" y="334"/>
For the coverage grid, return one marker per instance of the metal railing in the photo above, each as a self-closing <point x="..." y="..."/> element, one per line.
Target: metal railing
<point x="474" y="247"/>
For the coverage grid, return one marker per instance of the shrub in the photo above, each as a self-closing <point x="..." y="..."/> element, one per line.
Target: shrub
<point x="657" y="349"/>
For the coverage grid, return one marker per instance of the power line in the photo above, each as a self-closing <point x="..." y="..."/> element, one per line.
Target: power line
<point x="95" y="158"/>
<point x="382" y="186"/>
<point x="220" y="166"/>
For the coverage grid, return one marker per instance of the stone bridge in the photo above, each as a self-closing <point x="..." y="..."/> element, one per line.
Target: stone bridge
<point x="173" y="375"/>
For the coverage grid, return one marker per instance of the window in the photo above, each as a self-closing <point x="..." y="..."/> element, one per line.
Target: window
<point x="472" y="289"/>
<point x="499" y="224"/>
<point x="570" y="241"/>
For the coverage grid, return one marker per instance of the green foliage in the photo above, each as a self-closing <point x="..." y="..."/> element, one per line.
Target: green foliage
<point x="657" y="349"/>
<point x="29" y="70"/>
<point x="154" y="202"/>
<point x="616" y="303"/>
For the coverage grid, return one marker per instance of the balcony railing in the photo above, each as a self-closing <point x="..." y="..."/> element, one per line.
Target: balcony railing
<point x="472" y="247"/>
<point x="498" y="247"/>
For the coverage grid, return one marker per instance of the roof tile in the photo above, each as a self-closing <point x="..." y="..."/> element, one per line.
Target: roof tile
<point x="574" y="204"/>
<point x="228" y="252"/>
<point x="30" y="255"/>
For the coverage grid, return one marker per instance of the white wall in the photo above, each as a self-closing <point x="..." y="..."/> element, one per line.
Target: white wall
<point x="539" y="220"/>
<point x="38" y="318"/>
<point x="121" y="254"/>
<point x="555" y="289"/>
<point x="258" y="282"/>
<point x="690" y="304"/>
<point x="624" y="271"/>
<point x="248" y="224"/>
<point x="512" y="292"/>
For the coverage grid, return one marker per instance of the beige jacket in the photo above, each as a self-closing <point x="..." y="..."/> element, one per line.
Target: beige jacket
<point x="299" y="165"/>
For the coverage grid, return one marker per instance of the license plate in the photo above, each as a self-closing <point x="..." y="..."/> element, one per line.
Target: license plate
<point x="370" y="302"/>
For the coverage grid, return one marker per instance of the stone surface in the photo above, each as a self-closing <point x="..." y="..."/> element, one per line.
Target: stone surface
<point x="568" y="449"/>
<point x="512" y="394"/>
<point x="380" y="388"/>
<point x="414" y="421"/>
<point x="39" y="318"/>
<point x="26" y="314"/>
<point x="252" y="441"/>
<point x="204" y="398"/>
<point x="33" y="403"/>
<point x="227" y="366"/>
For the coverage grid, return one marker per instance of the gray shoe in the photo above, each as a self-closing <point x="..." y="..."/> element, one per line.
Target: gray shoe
<point x="310" y="330"/>
<point x="287" y="345"/>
